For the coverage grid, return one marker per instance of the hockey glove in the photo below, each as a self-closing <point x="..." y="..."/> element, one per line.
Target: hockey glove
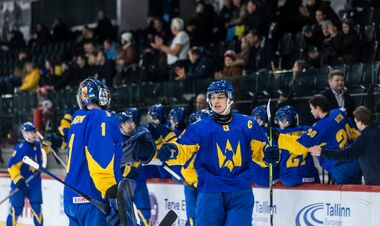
<point x="130" y="172"/>
<point x="22" y="185"/>
<point x="111" y="192"/>
<point x="168" y="151"/>
<point x="271" y="155"/>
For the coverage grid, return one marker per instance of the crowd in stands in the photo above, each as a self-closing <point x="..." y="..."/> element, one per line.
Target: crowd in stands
<point x="243" y="38"/>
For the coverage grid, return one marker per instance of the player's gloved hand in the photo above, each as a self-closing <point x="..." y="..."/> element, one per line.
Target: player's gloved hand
<point x="21" y="184"/>
<point x="112" y="217"/>
<point x="167" y="151"/>
<point x="130" y="172"/>
<point x="111" y="192"/>
<point x="271" y="155"/>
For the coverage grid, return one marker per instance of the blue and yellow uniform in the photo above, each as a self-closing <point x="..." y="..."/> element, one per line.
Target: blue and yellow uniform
<point x="296" y="169"/>
<point x="224" y="159"/>
<point x="20" y="171"/>
<point x="161" y="134"/>
<point x="93" y="165"/>
<point x="334" y="131"/>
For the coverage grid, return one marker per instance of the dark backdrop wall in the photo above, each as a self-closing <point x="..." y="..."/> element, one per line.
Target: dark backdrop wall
<point x="72" y="12"/>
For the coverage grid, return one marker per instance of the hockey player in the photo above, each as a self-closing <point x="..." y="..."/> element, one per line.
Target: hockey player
<point x="226" y="145"/>
<point x="261" y="177"/>
<point x="161" y="134"/>
<point x="95" y="152"/>
<point x="333" y="130"/>
<point x="191" y="177"/>
<point x="19" y="172"/>
<point x="178" y="120"/>
<point x="294" y="169"/>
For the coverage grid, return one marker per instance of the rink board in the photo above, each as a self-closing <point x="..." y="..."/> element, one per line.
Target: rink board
<point x="304" y="205"/>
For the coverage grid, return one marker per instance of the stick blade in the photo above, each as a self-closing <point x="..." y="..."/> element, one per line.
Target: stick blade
<point x="169" y="219"/>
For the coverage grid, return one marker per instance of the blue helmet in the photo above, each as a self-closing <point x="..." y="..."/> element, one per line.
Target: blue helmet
<point x="288" y="113"/>
<point x="134" y="113"/>
<point x="179" y="114"/>
<point x="122" y="117"/>
<point x="197" y="116"/>
<point x="220" y="86"/>
<point x="92" y="91"/>
<point x="260" y="112"/>
<point x="157" y="111"/>
<point x="25" y="128"/>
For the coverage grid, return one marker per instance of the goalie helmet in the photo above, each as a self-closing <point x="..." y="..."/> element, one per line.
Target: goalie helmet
<point x="134" y="114"/>
<point x="220" y="86"/>
<point x="26" y="128"/>
<point x="287" y="113"/>
<point x="260" y="113"/>
<point x="197" y="116"/>
<point x="92" y="91"/>
<point x="157" y="111"/>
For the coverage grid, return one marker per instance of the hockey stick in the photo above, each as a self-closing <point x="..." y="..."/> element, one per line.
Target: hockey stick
<point x="156" y="162"/>
<point x="17" y="189"/>
<point x="270" y="166"/>
<point x="101" y="206"/>
<point x="51" y="149"/>
<point x="169" y="219"/>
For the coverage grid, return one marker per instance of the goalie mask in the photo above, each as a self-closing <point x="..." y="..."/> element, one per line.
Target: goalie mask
<point x="286" y="117"/>
<point x="259" y="113"/>
<point x="28" y="131"/>
<point x="92" y="91"/>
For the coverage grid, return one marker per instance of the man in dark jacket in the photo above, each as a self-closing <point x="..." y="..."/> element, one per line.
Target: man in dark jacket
<point x="336" y="94"/>
<point x="365" y="147"/>
<point x="201" y="66"/>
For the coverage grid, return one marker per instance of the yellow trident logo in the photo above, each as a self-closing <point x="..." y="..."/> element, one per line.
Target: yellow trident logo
<point x="228" y="158"/>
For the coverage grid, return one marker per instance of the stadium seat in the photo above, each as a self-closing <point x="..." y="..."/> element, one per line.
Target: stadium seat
<point x="354" y="77"/>
<point x="304" y="84"/>
<point x="370" y="73"/>
<point x="369" y="33"/>
<point x="366" y="16"/>
<point x="321" y="77"/>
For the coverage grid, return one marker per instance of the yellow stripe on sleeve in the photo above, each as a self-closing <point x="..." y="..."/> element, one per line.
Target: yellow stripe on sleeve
<point x="15" y="172"/>
<point x="257" y="148"/>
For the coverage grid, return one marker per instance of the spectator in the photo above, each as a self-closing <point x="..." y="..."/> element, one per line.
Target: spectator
<point x="365" y="147"/>
<point x="86" y="35"/>
<point x="89" y="48"/>
<point x="109" y="49"/>
<point x="63" y="81"/>
<point x="238" y="14"/>
<point x="103" y="29"/>
<point x="224" y="18"/>
<point x="330" y="45"/>
<point x="160" y="30"/>
<point x="349" y="46"/>
<point x="314" y="35"/>
<point x="127" y="55"/>
<point x="42" y="35"/>
<point x="16" y="40"/>
<point x="200" y="26"/>
<point x="336" y="95"/>
<point x="31" y="78"/>
<point x="200" y="102"/>
<point x="244" y="50"/>
<point x="60" y="31"/>
<point x="201" y="66"/>
<point x="232" y="68"/>
<point x="256" y="18"/>
<point x="260" y="53"/>
<point x="105" y="69"/>
<point x="180" y="45"/>
<point x="81" y="71"/>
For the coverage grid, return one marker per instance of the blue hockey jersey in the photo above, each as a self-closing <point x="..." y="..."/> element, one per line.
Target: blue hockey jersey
<point x="94" y="154"/>
<point x="335" y="131"/>
<point x="296" y="169"/>
<point x="18" y="169"/>
<point x="225" y="153"/>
